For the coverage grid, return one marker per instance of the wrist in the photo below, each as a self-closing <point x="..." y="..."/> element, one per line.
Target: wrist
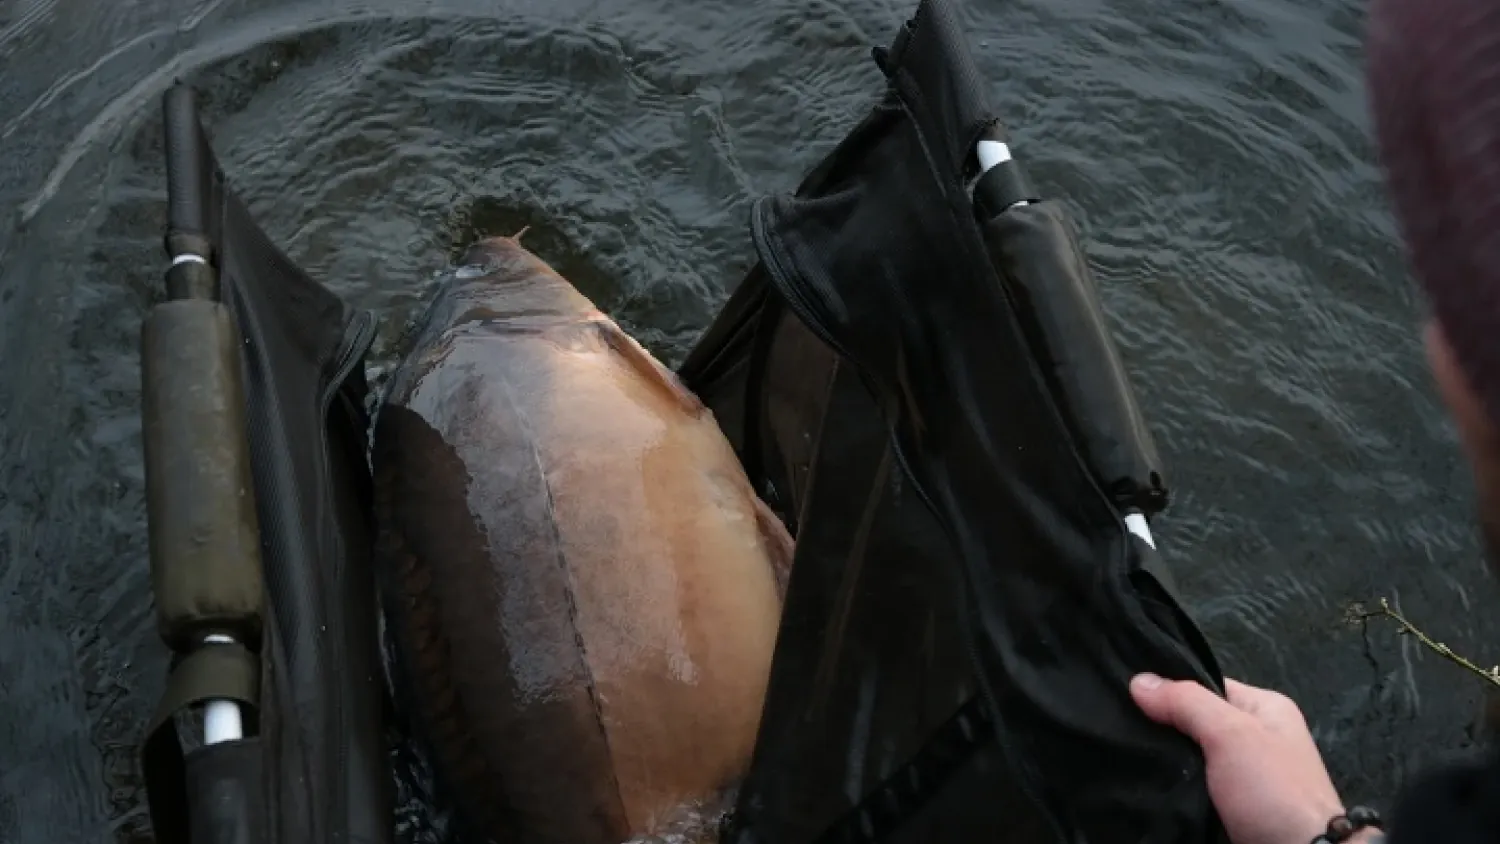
<point x="1355" y="825"/>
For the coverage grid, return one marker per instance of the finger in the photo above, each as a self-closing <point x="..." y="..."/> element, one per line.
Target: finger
<point x="1189" y="707"/>
<point x="1264" y="704"/>
<point x="1242" y="696"/>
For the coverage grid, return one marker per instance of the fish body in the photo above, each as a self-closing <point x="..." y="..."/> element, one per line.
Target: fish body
<point x="583" y="588"/>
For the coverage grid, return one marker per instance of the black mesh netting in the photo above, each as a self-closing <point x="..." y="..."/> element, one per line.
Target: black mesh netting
<point x="319" y="761"/>
<point x="930" y="399"/>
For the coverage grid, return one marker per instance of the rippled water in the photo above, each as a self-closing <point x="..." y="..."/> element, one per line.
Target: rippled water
<point x="1215" y="154"/>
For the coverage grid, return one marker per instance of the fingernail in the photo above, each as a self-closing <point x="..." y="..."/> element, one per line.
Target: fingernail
<point x="1146" y="682"/>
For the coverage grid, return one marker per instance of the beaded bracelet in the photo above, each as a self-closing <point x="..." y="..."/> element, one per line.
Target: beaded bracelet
<point x="1343" y="827"/>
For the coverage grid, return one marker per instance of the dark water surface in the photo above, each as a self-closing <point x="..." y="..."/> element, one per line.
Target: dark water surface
<point x="1214" y="152"/>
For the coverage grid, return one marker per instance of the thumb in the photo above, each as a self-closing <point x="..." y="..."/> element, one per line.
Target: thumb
<point x="1185" y="705"/>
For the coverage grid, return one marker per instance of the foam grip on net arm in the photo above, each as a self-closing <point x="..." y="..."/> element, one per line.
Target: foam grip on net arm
<point x="204" y="535"/>
<point x="1035" y="251"/>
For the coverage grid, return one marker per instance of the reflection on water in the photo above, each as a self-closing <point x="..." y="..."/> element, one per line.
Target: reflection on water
<point x="1215" y="155"/>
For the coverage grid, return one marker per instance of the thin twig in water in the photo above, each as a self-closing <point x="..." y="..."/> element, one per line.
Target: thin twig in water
<point x="1359" y="614"/>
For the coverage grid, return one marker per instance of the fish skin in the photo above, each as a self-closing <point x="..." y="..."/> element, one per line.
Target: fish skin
<point x="583" y="587"/>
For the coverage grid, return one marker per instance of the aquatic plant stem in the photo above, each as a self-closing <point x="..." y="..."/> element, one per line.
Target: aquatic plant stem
<point x="1358" y="613"/>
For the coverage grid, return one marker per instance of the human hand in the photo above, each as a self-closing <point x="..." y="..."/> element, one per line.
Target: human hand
<point x="1265" y="775"/>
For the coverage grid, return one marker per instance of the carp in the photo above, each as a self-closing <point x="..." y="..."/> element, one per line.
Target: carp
<point x="581" y="585"/>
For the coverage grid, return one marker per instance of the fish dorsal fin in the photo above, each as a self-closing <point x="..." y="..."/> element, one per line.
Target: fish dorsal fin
<point x="648" y="366"/>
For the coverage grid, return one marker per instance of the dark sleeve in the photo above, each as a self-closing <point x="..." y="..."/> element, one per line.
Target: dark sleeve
<point x="1459" y="804"/>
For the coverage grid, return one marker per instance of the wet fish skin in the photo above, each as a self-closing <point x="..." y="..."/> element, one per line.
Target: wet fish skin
<point x="583" y="586"/>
